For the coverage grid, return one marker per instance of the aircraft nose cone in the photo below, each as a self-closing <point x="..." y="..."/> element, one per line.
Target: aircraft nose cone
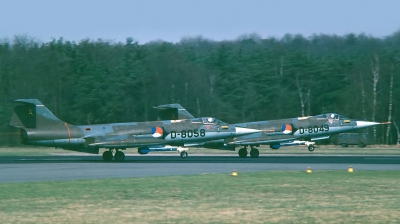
<point x="246" y="131"/>
<point x="364" y="124"/>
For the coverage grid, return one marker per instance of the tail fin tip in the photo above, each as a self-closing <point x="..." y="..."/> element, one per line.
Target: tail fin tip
<point x="31" y="101"/>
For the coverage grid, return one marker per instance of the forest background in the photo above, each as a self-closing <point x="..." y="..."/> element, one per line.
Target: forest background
<point x="241" y="80"/>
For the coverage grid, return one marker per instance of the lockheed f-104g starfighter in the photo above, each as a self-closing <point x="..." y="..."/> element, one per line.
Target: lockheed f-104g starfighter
<point x="39" y="126"/>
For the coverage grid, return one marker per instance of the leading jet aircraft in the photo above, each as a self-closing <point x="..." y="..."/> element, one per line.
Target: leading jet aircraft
<point x="286" y="131"/>
<point x="277" y="133"/>
<point x="39" y="126"/>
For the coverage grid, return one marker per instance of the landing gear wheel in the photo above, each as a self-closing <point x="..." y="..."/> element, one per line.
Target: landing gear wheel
<point x="254" y="153"/>
<point x="242" y="153"/>
<point x="184" y="154"/>
<point x="119" y="156"/>
<point x="107" y="156"/>
<point x="311" y="148"/>
<point x="344" y="145"/>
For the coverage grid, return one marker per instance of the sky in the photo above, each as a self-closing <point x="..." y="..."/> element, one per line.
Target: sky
<point x="172" y="20"/>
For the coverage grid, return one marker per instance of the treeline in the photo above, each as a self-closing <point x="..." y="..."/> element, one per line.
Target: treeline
<point x="246" y="79"/>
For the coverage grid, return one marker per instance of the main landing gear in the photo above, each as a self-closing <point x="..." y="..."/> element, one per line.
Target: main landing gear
<point x="118" y="156"/>
<point x="254" y="153"/>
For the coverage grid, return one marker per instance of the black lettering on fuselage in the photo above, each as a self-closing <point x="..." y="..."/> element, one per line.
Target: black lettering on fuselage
<point x="314" y="129"/>
<point x="173" y="134"/>
<point x="189" y="134"/>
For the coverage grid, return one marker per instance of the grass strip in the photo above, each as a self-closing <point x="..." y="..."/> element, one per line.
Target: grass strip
<point x="261" y="197"/>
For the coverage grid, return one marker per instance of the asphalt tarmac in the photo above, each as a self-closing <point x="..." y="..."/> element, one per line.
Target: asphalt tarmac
<point x="75" y="167"/>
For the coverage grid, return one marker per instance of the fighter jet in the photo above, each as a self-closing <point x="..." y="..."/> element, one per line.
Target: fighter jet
<point x="39" y="126"/>
<point x="282" y="132"/>
<point x="289" y="131"/>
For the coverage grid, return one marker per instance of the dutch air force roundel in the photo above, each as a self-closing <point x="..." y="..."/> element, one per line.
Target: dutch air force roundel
<point x="287" y="129"/>
<point x="157" y="132"/>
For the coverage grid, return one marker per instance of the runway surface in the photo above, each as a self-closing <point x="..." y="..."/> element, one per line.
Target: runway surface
<point x="51" y="168"/>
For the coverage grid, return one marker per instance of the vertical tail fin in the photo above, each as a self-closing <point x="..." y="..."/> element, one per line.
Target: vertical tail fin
<point x="31" y="114"/>
<point x="39" y="126"/>
<point x="172" y="112"/>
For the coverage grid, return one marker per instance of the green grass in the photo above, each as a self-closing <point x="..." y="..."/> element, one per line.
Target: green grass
<point x="262" y="197"/>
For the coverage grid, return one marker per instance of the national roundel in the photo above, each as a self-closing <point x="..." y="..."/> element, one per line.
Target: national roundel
<point x="287" y="129"/>
<point x="156" y="132"/>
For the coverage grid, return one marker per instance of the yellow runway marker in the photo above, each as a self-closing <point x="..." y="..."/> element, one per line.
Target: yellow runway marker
<point x="234" y="173"/>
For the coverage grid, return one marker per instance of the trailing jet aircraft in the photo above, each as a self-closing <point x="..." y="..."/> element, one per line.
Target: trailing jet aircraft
<point x="39" y="126"/>
<point x="282" y="132"/>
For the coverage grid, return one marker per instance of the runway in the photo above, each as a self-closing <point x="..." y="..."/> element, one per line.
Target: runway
<point x="59" y="168"/>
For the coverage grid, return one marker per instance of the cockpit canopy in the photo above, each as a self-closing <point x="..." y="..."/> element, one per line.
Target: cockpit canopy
<point x="334" y="116"/>
<point x="208" y="120"/>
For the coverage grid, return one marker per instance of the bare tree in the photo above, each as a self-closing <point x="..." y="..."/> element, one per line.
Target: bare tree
<point x="397" y="131"/>
<point x="375" y="73"/>
<point x="363" y="98"/>
<point x="300" y="95"/>
<point x="309" y="102"/>
<point x="390" y="106"/>
<point x="302" y="101"/>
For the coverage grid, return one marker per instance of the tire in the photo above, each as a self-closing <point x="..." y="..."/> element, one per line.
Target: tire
<point x="254" y="153"/>
<point x="119" y="156"/>
<point x="344" y="145"/>
<point x="107" y="155"/>
<point x="184" y="154"/>
<point x="242" y="153"/>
